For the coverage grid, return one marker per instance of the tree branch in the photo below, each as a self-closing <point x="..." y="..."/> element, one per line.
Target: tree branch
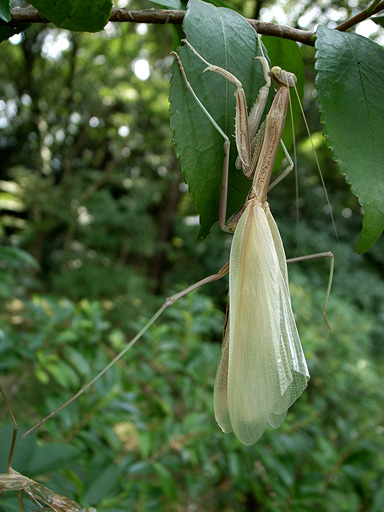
<point x="162" y="16"/>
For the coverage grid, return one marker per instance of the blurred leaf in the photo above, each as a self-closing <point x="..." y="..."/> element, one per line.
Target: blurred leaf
<point x="42" y="376"/>
<point x="78" y="360"/>
<point x="14" y="256"/>
<point x="378" y="19"/>
<point x="145" y="439"/>
<point x="63" y="374"/>
<point x="378" y="500"/>
<point x="139" y="468"/>
<point x="103" y="484"/>
<point x="52" y="457"/>
<point x="234" y="465"/>
<point x="167" y="480"/>
<point x="24" y="449"/>
<point x="350" y="83"/>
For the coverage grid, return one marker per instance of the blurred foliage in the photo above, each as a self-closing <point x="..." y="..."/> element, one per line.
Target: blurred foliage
<point x="144" y="437"/>
<point x="96" y="229"/>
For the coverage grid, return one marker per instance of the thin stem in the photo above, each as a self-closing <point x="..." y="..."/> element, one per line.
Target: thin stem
<point x="361" y="16"/>
<point x="15" y="430"/>
<point x="21" y="16"/>
<point x="162" y="16"/>
<point x="109" y="365"/>
<point x="373" y="6"/>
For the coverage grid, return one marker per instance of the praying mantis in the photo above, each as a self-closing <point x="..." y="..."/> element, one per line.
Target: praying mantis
<point x="262" y="368"/>
<point x="38" y="493"/>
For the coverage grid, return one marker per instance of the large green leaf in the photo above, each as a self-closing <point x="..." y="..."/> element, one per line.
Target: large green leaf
<point x="350" y="83"/>
<point x="224" y="38"/>
<point x="80" y="15"/>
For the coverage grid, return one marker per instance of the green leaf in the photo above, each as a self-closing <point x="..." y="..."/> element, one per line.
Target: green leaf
<point x="379" y="20"/>
<point x="14" y="256"/>
<point x="145" y="441"/>
<point x="5" y="10"/>
<point x="63" y="374"/>
<point x="167" y="480"/>
<point x="51" y="457"/>
<point x="24" y="449"/>
<point x="378" y="500"/>
<point x="103" y="485"/>
<point x="350" y="82"/>
<point x="227" y="40"/>
<point x="82" y="16"/>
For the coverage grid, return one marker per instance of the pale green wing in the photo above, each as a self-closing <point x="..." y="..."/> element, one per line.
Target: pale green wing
<point x="220" y="391"/>
<point x="278" y="244"/>
<point x="266" y="365"/>
<point x="290" y="336"/>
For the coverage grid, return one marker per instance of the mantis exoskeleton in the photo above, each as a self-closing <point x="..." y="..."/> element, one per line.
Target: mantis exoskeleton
<point x="262" y="369"/>
<point x="40" y="495"/>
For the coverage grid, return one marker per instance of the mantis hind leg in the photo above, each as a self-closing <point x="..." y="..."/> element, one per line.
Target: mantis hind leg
<point x="20" y="500"/>
<point x="319" y="255"/>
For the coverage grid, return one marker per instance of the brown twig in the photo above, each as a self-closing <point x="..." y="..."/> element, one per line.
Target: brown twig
<point x="162" y="16"/>
<point x="361" y="16"/>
